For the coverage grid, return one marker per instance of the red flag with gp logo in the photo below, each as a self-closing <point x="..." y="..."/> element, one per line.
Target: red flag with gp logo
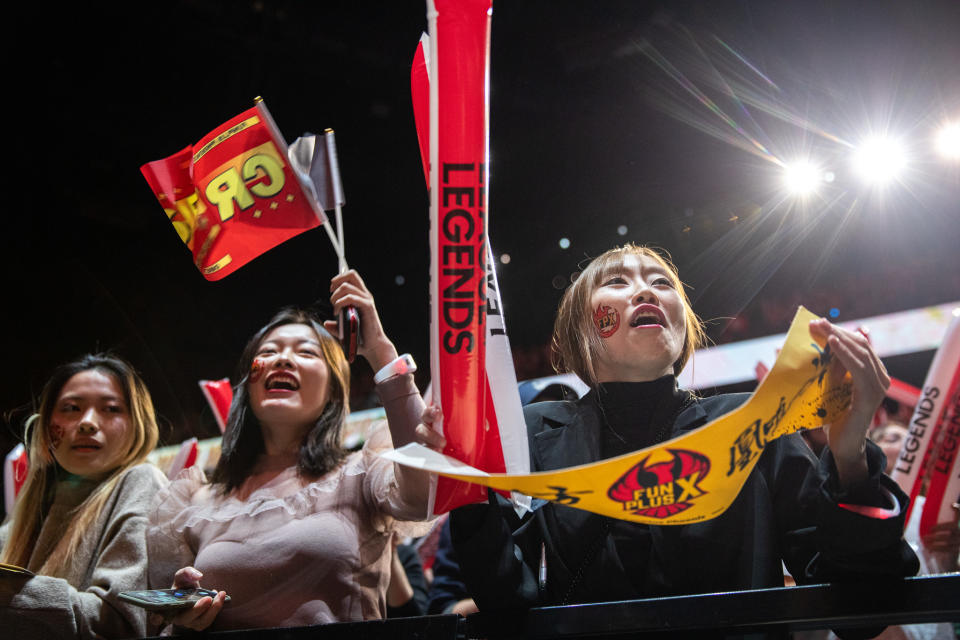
<point x="473" y="379"/>
<point x="233" y="195"/>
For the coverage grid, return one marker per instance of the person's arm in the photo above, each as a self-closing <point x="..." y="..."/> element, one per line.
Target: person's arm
<point x="846" y="438"/>
<point x="821" y="538"/>
<point x="407" y="591"/>
<point x="402" y="403"/>
<point x="448" y="593"/>
<point x="855" y="511"/>
<point x="171" y="554"/>
<point x="498" y="558"/>
<point x="53" y="607"/>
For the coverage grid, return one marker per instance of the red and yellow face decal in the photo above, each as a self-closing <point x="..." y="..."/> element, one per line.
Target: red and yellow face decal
<point x="56" y="435"/>
<point x="256" y="370"/>
<point x="662" y="489"/>
<point x="607" y="320"/>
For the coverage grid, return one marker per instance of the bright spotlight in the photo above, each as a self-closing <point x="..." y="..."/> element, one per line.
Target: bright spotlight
<point x="948" y="141"/>
<point x="879" y="160"/>
<point x="801" y="178"/>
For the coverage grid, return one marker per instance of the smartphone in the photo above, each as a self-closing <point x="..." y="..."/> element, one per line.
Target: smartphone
<point x="349" y="324"/>
<point x="167" y="599"/>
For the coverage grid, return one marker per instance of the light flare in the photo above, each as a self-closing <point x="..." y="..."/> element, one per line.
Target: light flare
<point x="879" y="160"/>
<point x="802" y="178"/>
<point x="948" y="141"/>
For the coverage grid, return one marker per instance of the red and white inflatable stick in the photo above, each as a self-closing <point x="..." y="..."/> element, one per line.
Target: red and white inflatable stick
<point x="944" y="464"/>
<point x="485" y="426"/>
<point x="459" y="37"/>
<point x="920" y="443"/>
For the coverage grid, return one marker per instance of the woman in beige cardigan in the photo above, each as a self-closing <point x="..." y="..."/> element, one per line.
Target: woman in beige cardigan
<point x="79" y="521"/>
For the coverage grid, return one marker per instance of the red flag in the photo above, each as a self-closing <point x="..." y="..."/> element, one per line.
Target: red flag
<point x="420" y="90"/>
<point x="233" y="195"/>
<point x="15" y="467"/>
<point x="219" y="395"/>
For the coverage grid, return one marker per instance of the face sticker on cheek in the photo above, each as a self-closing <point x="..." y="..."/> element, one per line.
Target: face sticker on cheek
<point x="256" y="370"/>
<point x="607" y="320"/>
<point x="56" y="435"/>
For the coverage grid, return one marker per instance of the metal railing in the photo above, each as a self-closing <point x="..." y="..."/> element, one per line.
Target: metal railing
<point x="826" y="606"/>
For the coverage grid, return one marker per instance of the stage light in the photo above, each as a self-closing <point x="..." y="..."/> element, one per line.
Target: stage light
<point x="622" y="230"/>
<point x="879" y="160"/>
<point x="564" y="243"/>
<point x="948" y="141"/>
<point x="400" y="280"/>
<point x="505" y="258"/>
<point x="801" y="178"/>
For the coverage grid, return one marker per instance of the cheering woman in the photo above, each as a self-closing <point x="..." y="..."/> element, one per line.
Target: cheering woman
<point x="293" y="528"/>
<point x="626" y="327"/>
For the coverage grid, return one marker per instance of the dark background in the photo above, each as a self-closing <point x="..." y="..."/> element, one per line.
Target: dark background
<point x="588" y="132"/>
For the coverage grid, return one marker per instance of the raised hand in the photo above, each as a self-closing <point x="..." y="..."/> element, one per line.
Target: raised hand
<point x="847" y="437"/>
<point x="348" y="289"/>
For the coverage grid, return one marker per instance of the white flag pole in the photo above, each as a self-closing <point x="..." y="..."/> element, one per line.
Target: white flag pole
<point x="307" y="192"/>
<point x="337" y="193"/>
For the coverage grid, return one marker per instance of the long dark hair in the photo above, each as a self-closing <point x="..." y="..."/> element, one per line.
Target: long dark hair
<point x="321" y="450"/>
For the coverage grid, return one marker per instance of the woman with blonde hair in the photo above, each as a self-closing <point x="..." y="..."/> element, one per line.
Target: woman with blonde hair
<point x="79" y="522"/>
<point x="626" y="328"/>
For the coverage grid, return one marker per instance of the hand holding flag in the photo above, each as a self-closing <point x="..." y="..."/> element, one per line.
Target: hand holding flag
<point x="240" y="191"/>
<point x="315" y="161"/>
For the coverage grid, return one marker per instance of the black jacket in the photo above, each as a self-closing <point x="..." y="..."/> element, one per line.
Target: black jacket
<point x="787" y="510"/>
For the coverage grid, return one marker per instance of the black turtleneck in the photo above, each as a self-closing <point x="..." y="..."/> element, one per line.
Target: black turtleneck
<point x="635" y="415"/>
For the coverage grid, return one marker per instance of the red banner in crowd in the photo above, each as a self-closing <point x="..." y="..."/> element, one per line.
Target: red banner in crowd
<point x="919" y="449"/>
<point x="15" y="467"/>
<point x="944" y="485"/>
<point x="219" y="395"/>
<point x="420" y="91"/>
<point x="233" y="195"/>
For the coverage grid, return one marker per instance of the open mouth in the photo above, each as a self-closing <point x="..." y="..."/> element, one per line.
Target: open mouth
<point x="648" y="315"/>
<point x="281" y="382"/>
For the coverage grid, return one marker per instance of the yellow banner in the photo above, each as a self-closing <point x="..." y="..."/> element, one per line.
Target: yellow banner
<point x="696" y="476"/>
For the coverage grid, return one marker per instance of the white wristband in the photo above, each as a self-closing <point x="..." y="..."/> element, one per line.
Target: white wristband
<point x="403" y="364"/>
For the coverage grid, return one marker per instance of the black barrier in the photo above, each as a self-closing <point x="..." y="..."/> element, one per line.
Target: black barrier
<point x="824" y="606"/>
<point x="421" y="628"/>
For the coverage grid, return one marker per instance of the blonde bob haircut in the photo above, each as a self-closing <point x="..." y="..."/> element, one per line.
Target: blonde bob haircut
<point x="576" y="343"/>
<point x="141" y="438"/>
